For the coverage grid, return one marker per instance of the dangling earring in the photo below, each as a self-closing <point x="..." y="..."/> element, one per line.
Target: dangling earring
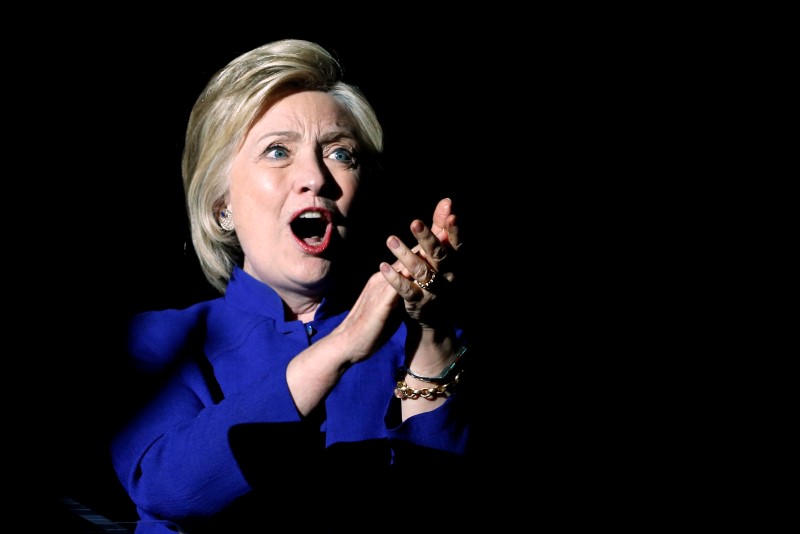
<point x="226" y="219"/>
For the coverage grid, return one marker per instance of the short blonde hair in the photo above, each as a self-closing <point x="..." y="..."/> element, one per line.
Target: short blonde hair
<point x="232" y="101"/>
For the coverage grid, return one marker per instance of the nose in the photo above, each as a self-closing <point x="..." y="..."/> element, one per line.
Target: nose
<point x="311" y="174"/>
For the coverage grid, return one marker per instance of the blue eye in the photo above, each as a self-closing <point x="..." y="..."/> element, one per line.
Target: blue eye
<point x="276" y="152"/>
<point x="342" y="155"/>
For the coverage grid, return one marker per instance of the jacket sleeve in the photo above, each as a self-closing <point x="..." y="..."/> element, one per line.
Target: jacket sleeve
<point x="440" y="434"/>
<point x="175" y="456"/>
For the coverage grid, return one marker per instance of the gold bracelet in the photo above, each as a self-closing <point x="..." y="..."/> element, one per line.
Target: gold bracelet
<point x="403" y="391"/>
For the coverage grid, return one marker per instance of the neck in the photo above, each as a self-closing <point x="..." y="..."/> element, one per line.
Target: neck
<point x="299" y="307"/>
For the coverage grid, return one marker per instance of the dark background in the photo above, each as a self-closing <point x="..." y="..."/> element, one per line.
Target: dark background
<point x="113" y="238"/>
<point x="541" y="133"/>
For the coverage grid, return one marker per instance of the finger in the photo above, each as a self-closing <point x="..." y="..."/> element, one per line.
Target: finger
<point x="445" y="224"/>
<point x="418" y="268"/>
<point x="404" y="287"/>
<point x="440" y="214"/>
<point x="430" y="246"/>
<point x="400" y="268"/>
<point x="452" y="232"/>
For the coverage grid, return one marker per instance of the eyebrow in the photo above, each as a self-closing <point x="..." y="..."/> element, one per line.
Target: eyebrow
<point x="338" y="135"/>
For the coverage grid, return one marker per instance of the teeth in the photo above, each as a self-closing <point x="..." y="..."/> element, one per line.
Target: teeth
<point x="310" y="215"/>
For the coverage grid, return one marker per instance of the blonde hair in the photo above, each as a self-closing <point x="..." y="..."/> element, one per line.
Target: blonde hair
<point x="232" y="101"/>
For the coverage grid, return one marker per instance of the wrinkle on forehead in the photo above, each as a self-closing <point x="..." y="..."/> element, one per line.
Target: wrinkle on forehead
<point x="307" y="114"/>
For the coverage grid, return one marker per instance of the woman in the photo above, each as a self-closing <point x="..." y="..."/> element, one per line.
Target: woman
<point x="289" y="404"/>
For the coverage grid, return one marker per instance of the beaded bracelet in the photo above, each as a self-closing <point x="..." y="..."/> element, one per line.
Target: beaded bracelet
<point x="403" y="391"/>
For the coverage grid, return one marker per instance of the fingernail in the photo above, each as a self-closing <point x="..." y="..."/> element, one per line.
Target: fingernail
<point x="394" y="242"/>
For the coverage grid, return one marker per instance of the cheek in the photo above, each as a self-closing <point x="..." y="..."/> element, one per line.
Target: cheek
<point x="259" y="233"/>
<point x="349" y="194"/>
<point x="256" y="213"/>
<point x="252" y="194"/>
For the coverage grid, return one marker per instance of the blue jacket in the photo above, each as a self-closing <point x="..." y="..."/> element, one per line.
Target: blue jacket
<point x="220" y="445"/>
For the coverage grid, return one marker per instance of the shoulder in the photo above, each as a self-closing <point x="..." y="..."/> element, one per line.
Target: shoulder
<point x="157" y="338"/>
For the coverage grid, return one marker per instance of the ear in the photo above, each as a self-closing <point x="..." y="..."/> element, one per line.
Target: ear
<point x="221" y="204"/>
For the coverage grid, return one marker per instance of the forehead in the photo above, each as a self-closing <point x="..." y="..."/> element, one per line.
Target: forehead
<point x="304" y="110"/>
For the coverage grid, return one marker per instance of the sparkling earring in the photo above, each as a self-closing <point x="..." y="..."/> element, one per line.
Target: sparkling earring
<point x="226" y="219"/>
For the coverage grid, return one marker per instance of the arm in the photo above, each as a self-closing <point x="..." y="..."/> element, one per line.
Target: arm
<point x="176" y="458"/>
<point x="316" y="370"/>
<point x="432" y="342"/>
<point x="179" y="448"/>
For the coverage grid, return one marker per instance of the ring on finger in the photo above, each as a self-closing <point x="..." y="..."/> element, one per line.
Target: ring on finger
<point x="429" y="283"/>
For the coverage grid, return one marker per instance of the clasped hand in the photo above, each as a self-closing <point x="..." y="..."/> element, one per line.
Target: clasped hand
<point x="422" y="276"/>
<point x="424" y="273"/>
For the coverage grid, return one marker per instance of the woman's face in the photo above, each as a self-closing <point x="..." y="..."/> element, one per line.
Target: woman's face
<point x="292" y="185"/>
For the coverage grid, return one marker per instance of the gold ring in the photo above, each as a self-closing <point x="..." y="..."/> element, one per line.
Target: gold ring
<point x="429" y="283"/>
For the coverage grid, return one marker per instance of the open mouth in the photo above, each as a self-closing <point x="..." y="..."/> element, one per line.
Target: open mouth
<point x="312" y="229"/>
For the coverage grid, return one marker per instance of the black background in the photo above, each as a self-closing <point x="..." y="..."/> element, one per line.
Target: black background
<point x="112" y="237"/>
<point x="538" y="132"/>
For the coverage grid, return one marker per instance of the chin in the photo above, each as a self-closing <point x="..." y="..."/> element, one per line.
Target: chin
<point x="313" y="271"/>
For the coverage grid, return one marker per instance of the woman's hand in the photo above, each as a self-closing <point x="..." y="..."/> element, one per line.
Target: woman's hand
<point x="425" y="273"/>
<point x="424" y="277"/>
